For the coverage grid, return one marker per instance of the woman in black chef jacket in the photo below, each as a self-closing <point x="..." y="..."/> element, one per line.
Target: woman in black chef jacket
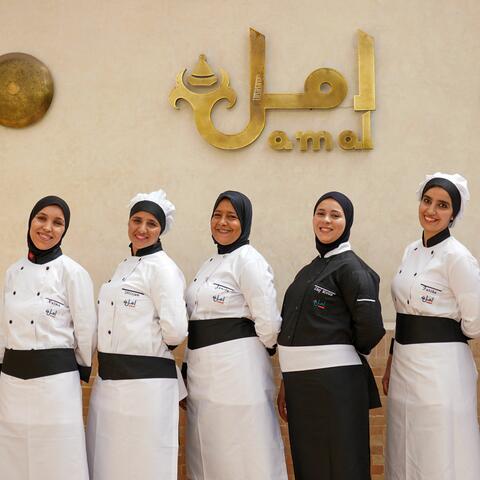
<point x="47" y="335"/>
<point x="331" y="318"/>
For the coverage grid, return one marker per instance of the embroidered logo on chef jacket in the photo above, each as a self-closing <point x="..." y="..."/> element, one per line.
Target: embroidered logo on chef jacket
<point x="320" y="305"/>
<point x="50" y="312"/>
<point x="223" y="292"/>
<point x="219" y="298"/>
<point x="430" y="293"/>
<point x="130" y="303"/>
<point x="324" y="291"/>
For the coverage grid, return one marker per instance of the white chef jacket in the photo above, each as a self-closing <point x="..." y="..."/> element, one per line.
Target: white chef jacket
<point x="49" y="306"/>
<point x="233" y="380"/>
<point x="235" y="285"/>
<point x="439" y="281"/>
<point x="142" y="308"/>
<point x="432" y="427"/>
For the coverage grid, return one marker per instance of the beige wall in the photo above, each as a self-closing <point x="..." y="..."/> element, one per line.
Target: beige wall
<point x="110" y="131"/>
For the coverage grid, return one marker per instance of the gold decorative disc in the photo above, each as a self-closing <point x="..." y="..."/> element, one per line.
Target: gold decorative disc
<point x="26" y="90"/>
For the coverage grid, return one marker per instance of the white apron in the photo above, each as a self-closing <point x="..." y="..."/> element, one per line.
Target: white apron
<point x="432" y="426"/>
<point x="232" y="428"/>
<point x="432" y="400"/>
<point x="132" y="430"/>
<point x="41" y="428"/>
<point x="133" y="424"/>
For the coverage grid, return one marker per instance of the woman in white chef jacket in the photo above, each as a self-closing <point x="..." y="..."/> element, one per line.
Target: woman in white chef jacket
<point x="132" y="428"/>
<point x="232" y="429"/>
<point x="432" y="429"/>
<point x="47" y="336"/>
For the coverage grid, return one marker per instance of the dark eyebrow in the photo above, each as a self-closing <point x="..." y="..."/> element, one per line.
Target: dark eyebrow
<point x="332" y="211"/>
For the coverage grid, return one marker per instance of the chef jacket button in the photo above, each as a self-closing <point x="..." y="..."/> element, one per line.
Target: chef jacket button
<point x="125" y="260"/>
<point x="123" y="279"/>
<point x="48" y="268"/>
<point x="415" y="274"/>
<point x="14" y="292"/>
<point x="98" y="302"/>
<point x="211" y="259"/>
<point x="415" y="249"/>
<point x="109" y="281"/>
<point x="431" y="252"/>
<point x="109" y="332"/>
<point x="140" y="259"/>
<point x="10" y="321"/>
<point x="21" y="268"/>
<point x="194" y="279"/>
<point x="111" y="303"/>
<point x="408" y="302"/>
<point x="38" y="294"/>
<point x="400" y="272"/>
<point x="31" y="321"/>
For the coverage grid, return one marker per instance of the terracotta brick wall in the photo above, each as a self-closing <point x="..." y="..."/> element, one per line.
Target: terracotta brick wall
<point x="377" y="417"/>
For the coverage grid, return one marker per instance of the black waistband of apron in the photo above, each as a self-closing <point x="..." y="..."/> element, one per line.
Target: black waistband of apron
<point x="421" y="329"/>
<point x="28" y="364"/>
<point x="118" y="366"/>
<point x="202" y="333"/>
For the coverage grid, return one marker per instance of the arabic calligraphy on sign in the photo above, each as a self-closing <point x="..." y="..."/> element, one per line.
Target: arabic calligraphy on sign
<point x="325" y="88"/>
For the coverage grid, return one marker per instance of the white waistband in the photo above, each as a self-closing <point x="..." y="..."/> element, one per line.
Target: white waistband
<point x="317" y="356"/>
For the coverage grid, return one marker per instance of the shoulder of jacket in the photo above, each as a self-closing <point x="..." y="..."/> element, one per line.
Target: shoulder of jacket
<point x="453" y="249"/>
<point x="71" y="267"/>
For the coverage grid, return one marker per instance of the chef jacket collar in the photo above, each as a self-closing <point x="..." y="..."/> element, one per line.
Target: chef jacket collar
<point x="436" y="239"/>
<point x="347" y="207"/>
<point x="141" y="252"/>
<point x="243" y="207"/>
<point x="36" y="255"/>
<point x="343" y="247"/>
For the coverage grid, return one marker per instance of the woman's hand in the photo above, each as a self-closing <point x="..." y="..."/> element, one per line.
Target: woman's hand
<point x="281" y="404"/>
<point x="386" y="375"/>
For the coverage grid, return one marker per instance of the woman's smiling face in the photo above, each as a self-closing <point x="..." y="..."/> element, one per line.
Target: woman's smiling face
<point x="143" y="230"/>
<point x="225" y="224"/>
<point x="435" y="211"/>
<point x="47" y="227"/>
<point x="328" y="221"/>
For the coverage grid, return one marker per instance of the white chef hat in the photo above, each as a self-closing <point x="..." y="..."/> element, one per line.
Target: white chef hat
<point x="157" y="204"/>
<point x="455" y="185"/>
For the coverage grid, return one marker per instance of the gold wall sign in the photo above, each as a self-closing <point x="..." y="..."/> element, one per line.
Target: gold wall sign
<point x="325" y="88"/>
<point x="26" y="90"/>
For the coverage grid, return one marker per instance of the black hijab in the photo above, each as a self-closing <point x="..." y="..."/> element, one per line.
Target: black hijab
<point x="157" y="211"/>
<point x="35" y="255"/>
<point x="347" y="207"/>
<point x="243" y="207"/>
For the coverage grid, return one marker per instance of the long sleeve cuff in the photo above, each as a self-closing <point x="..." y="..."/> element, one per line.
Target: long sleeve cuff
<point x="390" y="351"/>
<point x="272" y="351"/>
<point x="84" y="373"/>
